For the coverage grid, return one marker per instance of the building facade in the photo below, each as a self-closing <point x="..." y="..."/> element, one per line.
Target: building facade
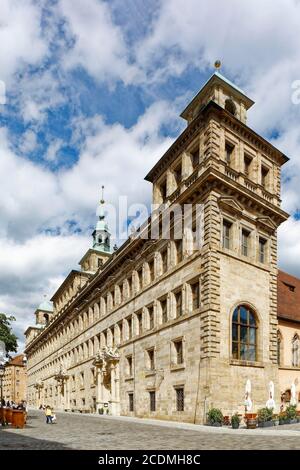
<point x="167" y="327"/>
<point x="14" y="381"/>
<point x="288" y="335"/>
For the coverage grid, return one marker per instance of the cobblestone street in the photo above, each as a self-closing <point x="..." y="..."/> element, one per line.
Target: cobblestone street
<point x="75" y="431"/>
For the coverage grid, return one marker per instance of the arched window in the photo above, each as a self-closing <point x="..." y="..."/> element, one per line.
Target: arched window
<point x="230" y="106"/>
<point x="295" y="351"/>
<point x="244" y="334"/>
<point x="279" y="348"/>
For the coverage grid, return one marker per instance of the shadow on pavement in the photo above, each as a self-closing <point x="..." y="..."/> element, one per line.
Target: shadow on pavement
<point x="13" y="441"/>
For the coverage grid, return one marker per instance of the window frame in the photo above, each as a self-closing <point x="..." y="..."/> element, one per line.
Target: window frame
<point x="242" y="356"/>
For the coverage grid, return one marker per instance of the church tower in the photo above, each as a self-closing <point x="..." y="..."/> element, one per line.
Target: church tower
<point x="101" y="251"/>
<point x="101" y="234"/>
<point x="234" y="173"/>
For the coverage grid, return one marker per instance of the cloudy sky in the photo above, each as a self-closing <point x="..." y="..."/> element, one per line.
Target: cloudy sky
<point x="94" y="90"/>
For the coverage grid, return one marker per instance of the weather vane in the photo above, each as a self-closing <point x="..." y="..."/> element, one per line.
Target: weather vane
<point x="217" y="64"/>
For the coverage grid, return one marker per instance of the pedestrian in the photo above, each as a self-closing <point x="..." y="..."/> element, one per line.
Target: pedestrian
<point x="53" y="420"/>
<point x="48" y="413"/>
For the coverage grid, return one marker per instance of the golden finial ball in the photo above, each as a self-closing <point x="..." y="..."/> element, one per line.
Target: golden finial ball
<point x="217" y="64"/>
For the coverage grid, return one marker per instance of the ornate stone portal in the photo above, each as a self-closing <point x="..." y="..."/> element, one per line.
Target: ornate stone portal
<point x="108" y="378"/>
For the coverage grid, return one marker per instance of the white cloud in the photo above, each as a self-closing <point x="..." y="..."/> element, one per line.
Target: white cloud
<point x="21" y="39"/>
<point x="98" y="43"/>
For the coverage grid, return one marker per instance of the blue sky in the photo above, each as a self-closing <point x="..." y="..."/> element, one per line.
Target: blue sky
<point x="94" y="90"/>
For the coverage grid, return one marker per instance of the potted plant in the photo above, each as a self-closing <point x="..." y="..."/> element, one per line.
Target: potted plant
<point x="291" y="414"/>
<point x="235" y="421"/>
<point x="276" y="420"/>
<point x="215" y="417"/>
<point x="101" y="411"/>
<point x="265" y="417"/>
<point x="283" y="418"/>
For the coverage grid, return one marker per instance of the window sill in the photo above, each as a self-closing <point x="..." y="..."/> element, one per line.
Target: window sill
<point x="128" y="378"/>
<point x="238" y="362"/>
<point x="150" y="373"/>
<point x="175" y="367"/>
<point x="295" y="368"/>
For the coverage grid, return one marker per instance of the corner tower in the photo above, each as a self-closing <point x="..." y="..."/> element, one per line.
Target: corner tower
<point x="221" y="163"/>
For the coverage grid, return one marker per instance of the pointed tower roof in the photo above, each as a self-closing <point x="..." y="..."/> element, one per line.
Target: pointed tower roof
<point x="213" y="83"/>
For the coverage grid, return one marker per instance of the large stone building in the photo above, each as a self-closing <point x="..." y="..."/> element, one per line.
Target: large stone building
<point x="14" y="381"/>
<point x="170" y="327"/>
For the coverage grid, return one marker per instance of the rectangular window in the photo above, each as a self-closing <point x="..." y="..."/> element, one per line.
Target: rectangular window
<point x="163" y="190"/>
<point x="177" y="174"/>
<point x="152" y="399"/>
<point x="129" y="324"/>
<point x="227" y="234"/>
<point x="229" y="153"/>
<point x="140" y="323"/>
<point x="164" y="312"/>
<point x="264" y="177"/>
<point x="140" y="278"/>
<point x="178" y="345"/>
<point x="178" y="301"/>
<point x="247" y="165"/>
<point x="130" y="402"/>
<point x="129" y="365"/>
<point x="245" y="242"/>
<point x="151" y="359"/>
<point x="151" y="270"/>
<point x="179" y="399"/>
<point x="178" y="244"/>
<point x="195" y="157"/>
<point x="164" y="260"/>
<point x="262" y="250"/>
<point x="151" y="317"/>
<point x="195" y="295"/>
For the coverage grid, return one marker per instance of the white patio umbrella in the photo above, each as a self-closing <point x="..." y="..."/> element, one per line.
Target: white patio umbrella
<point x="293" y="394"/>
<point x="248" y="402"/>
<point x="270" y="402"/>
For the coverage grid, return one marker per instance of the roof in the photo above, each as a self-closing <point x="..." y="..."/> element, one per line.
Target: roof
<point x="46" y="306"/>
<point x="72" y="274"/>
<point x="217" y="78"/>
<point x="16" y="361"/>
<point x="288" y="297"/>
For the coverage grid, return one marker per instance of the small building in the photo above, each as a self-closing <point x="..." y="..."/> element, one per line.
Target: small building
<point x="288" y="334"/>
<point x="14" y="381"/>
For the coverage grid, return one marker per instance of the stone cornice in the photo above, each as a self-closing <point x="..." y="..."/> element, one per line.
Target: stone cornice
<point x="193" y="128"/>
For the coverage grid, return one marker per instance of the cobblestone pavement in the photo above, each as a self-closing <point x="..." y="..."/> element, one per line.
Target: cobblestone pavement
<point x="75" y="431"/>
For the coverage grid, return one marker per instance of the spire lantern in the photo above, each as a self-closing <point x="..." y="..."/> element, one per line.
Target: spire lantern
<point x="101" y="234"/>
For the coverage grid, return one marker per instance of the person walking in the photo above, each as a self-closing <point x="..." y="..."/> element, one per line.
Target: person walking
<point x="48" y="413"/>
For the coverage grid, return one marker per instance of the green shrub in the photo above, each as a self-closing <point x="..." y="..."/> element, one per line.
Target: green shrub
<point x="264" y="415"/>
<point x="291" y="412"/>
<point x="235" y="420"/>
<point x="215" y="416"/>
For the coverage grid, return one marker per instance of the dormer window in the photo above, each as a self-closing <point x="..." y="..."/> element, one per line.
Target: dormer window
<point x="290" y="287"/>
<point x="229" y="153"/>
<point x="230" y="106"/>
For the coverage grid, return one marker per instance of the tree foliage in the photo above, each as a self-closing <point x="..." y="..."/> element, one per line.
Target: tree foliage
<point x="6" y="333"/>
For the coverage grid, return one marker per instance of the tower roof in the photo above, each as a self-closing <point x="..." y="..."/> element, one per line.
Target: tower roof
<point x="217" y="79"/>
<point x="46" y="306"/>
